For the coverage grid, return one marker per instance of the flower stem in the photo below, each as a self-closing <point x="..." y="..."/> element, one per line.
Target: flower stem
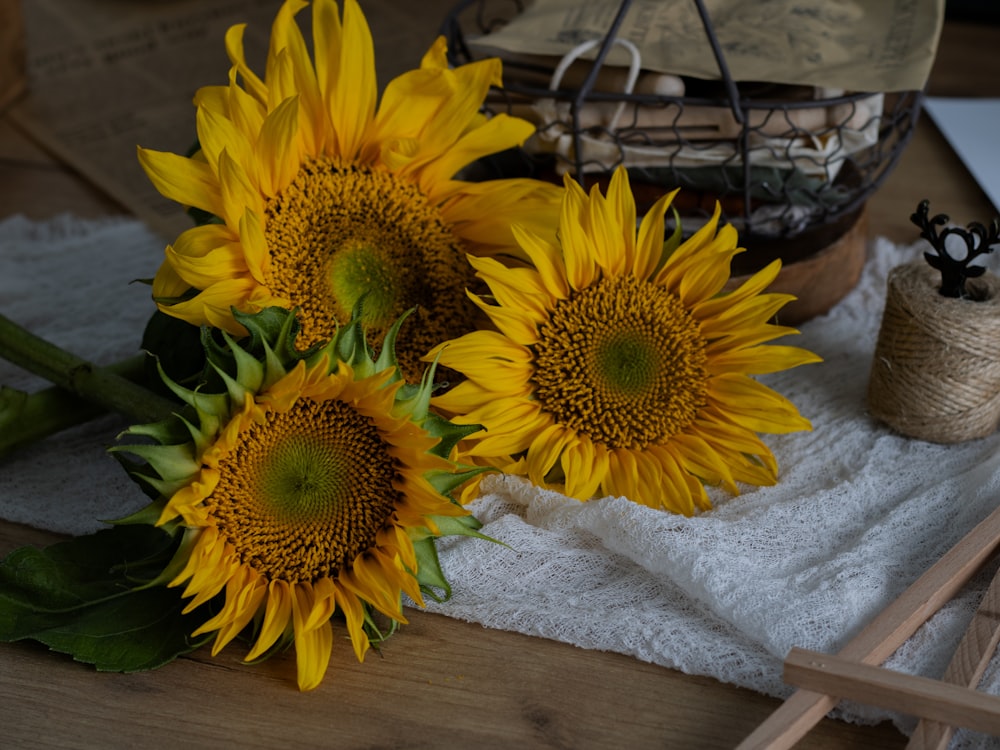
<point x="101" y="388"/>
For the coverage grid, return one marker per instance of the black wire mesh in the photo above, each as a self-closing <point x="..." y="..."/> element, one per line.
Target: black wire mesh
<point x="791" y="171"/>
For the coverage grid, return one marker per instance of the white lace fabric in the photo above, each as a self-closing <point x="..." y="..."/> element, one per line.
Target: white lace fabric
<point x="857" y="515"/>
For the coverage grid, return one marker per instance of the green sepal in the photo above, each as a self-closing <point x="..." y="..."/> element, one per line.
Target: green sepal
<point x="445" y="482"/>
<point x="170" y="461"/>
<point x="284" y="642"/>
<point x="148" y="515"/>
<point x="277" y="328"/>
<point x="429" y="574"/>
<point x="211" y="404"/>
<point x="448" y="433"/>
<point x="465" y="525"/>
<point x="150" y="486"/>
<point x="249" y="370"/>
<point x="387" y="356"/>
<point x="351" y="346"/>
<point x="415" y="400"/>
<point x="89" y="597"/>
<point x="166" y="432"/>
<point x="176" y="347"/>
<point x="377" y="635"/>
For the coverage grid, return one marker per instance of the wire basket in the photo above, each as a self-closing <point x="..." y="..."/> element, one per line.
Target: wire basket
<point x="791" y="170"/>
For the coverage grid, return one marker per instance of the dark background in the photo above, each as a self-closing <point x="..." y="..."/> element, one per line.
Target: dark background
<point x="985" y="11"/>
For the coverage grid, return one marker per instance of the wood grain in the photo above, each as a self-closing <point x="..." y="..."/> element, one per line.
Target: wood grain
<point x="968" y="664"/>
<point x="910" y="694"/>
<point x="438" y="683"/>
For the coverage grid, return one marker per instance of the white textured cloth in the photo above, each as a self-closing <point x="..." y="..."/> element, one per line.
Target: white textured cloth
<point x="858" y="513"/>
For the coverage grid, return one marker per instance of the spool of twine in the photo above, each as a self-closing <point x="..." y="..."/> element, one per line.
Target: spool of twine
<point x="936" y="371"/>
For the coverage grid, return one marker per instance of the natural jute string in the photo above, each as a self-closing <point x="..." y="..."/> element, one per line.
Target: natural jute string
<point x="936" y="371"/>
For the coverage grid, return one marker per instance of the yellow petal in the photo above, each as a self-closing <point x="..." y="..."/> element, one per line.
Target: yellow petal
<point x="312" y="656"/>
<point x="354" y="616"/>
<point x="255" y="251"/>
<point x="649" y="247"/>
<point x="185" y="181"/>
<point x="435" y="106"/>
<point x="698" y="457"/>
<point x="246" y="112"/>
<point x="669" y="274"/>
<point x="622" y="479"/>
<point x="222" y="264"/>
<point x="486" y="213"/>
<point x="167" y="285"/>
<point x="584" y="465"/>
<point x="277" y="616"/>
<point x="705" y="277"/>
<point x="621" y="207"/>
<point x="545" y="450"/>
<point x="497" y="134"/>
<point x="520" y="288"/>
<point x="663" y="483"/>
<point x="754" y="405"/>
<point x="758" y="360"/>
<point x="213" y="98"/>
<point x="500" y="444"/>
<point x="605" y="234"/>
<point x="234" y="47"/>
<point x="212" y="305"/>
<point x="278" y="148"/>
<point x="577" y="246"/>
<point x="286" y="37"/>
<point x="217" y="134"/>
<point x="238" y="195"/>
<point x="515" y="324"/>
<point x="547" y="259"/>
<point x="480" y="345"/>
<point x="351" y="103"/>
<point x="749" y="289"/>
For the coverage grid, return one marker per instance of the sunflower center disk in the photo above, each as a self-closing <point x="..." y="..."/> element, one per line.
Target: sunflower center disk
<point x="358" y="269"/>
<point x="338" y="233"/>
<point x="623" y="362"/>
<point x="305" y="492"/>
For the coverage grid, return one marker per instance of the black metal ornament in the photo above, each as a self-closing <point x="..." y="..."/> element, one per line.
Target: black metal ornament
<point x="955" y="271"/>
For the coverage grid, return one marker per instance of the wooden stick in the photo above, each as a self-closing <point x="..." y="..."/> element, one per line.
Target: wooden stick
<point x="909" y="694"/>
<point x="883" y="635"/>
<point x="967" y="666"/>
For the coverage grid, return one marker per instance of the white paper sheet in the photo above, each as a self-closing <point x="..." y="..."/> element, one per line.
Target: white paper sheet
<point x="970" y="126"/>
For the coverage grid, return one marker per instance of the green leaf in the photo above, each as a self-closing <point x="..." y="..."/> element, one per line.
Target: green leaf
<point x="85" y="597"/>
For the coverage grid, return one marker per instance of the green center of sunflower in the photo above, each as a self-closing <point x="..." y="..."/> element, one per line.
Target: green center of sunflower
<point x="622" y="361"/>
<point x="306" y="491"/>
<point x="360" y="268"/>
<point x="339" y="233"/>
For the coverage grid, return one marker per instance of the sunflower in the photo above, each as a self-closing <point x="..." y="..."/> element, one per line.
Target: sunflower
<point x="311" y="484"/>
<point x="619" y="366"/>
<point x="322" y="197"/>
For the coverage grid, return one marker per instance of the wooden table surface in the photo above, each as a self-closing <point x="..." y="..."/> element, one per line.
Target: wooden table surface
<point x="439" y="683"/>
